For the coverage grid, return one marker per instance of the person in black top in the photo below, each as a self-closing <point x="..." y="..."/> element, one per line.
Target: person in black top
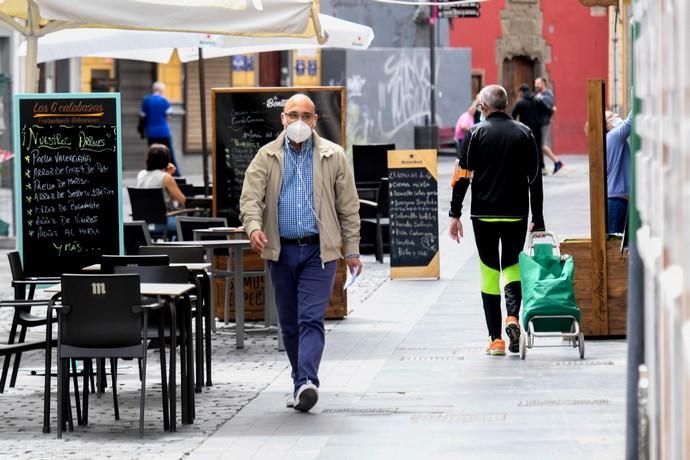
<point x="501" y="157"/>
<point x="528" y="112"/>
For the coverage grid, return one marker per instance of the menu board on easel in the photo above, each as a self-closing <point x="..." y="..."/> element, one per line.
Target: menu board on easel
<point x="68" y="181"/>
<point x="413" y="194"/>
<point x="245" y="119"/>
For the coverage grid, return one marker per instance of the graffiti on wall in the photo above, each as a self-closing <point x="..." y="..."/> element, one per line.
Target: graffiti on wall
<point x="404" y="93"/>
<point x="388" y="92"/>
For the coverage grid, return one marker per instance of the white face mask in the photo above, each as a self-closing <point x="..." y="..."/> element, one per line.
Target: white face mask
<point x="298" y="131"/>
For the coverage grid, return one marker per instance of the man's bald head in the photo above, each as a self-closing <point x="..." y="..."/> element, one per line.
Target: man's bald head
<point x="298" y="102"/>
<point x="299" y="106"/>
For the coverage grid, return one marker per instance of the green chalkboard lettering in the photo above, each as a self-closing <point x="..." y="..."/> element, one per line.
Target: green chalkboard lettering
<point x="47" y="141"/>
<point x="69" y="184"/>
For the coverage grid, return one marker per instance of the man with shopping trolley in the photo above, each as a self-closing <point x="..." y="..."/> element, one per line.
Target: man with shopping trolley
<point x="501" y="159"/>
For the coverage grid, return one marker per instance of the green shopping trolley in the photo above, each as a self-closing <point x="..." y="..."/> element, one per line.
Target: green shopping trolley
<point x="548" y="295"/>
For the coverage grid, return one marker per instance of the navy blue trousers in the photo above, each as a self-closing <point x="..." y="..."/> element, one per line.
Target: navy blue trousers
<point x="302" y="289"/>
<point x="617" y="215"/>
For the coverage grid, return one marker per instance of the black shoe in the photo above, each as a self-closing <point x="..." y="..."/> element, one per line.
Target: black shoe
<point x="513" y="331"/>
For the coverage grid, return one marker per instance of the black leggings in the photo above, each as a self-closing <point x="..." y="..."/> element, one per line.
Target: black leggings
<point x="511" y="236"/>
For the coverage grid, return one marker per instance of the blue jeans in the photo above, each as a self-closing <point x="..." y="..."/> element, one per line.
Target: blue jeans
<point x="171" y="226"/>
<point x="302" y="289"/>
<point x="617" y="214"/>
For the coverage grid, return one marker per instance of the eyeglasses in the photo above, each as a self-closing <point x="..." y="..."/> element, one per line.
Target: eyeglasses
<point x="305" y="116"/>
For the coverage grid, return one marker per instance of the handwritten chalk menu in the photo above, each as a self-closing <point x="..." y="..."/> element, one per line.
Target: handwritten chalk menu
<point x="413" y="185"/>
<point x="68" y="182"/>
<point x="245" y="119"/>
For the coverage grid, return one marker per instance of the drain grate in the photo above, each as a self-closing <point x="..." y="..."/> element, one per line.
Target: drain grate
<point x="362" y="411"/>
<point x="431" y="358"/>
<point x="461" y="418"/>
<point x="574" y="363"/>
<point x="563" y="402"/>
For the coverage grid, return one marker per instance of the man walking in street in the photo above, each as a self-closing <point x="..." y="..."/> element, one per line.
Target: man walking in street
<point x="153" y="121"/>
<point x="528" y="112"/>
<point x="502" y="158"/>
<point x="299" y="207"/>
<point x="548" y="107"/>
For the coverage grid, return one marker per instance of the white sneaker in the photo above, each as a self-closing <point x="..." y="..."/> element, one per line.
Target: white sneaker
<point x="307" y="397"/>
<point x="290" y="403"/>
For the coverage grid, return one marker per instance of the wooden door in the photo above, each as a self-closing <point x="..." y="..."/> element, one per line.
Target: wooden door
<point x="269" y="68"/>
<point x="517" y="71"/>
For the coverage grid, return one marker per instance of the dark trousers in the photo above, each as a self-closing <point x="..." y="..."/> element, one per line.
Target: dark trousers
<point x="302" y="289"/>
<point x="511" y="237"/>
<point x="167" y="141"/>
<point x="617" y="214"/>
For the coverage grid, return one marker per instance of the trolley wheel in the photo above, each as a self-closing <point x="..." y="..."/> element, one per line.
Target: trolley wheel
<point x="523" y="346"/>
<point x="573" y="339"/>
<point x="581" y="344"/>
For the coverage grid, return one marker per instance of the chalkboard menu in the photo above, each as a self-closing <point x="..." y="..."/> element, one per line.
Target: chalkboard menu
<point x="413" y="192"/>
<point x="245" y="119"/>
<point x="68" y="183"/>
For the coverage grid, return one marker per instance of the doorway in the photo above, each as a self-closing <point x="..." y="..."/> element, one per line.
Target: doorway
<point x="516" y="71"/>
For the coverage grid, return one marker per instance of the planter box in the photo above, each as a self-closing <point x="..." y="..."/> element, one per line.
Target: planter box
<point x="617" y="289"/>
<point x="254" y="290"/>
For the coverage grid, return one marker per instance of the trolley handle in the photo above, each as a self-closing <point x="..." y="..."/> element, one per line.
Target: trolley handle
<point x="545" y="234"/>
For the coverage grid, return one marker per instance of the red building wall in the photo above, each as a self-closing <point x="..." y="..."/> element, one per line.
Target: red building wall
<point x="579" y="51"/>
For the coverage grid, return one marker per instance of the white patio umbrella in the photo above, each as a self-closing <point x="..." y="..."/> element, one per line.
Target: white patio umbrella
<point x="155" y="46"/>
<point x="269" y="18"/>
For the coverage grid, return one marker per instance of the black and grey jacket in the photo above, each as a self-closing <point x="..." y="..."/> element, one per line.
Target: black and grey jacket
<point x="506" y="179"/>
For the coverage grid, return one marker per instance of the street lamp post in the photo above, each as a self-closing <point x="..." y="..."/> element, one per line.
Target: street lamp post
<point x="432" y="67"/>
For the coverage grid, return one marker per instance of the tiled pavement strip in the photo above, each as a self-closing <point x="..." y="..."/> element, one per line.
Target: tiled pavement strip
<point x="404" y="376"/>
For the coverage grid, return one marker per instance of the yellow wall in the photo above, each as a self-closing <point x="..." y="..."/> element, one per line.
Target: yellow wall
<point x="171" y="75"/>
<point x="244" y="69"/>
<point x="92" y="63"/>
<point x="305" y="62"/>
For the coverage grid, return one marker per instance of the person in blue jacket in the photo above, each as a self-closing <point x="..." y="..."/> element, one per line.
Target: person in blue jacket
<point x="618" y="170"/>
<point x="153" y="121"/>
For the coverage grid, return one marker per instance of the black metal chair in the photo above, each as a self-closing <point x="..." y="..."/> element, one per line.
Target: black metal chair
<point x="380" y="220"/>
<point x="176" y="254"/>
<point x="201" y="190"/>
<point x="168" y="274"/>
<point x="101" y="316"/>
<point x="17" y="348"/>
<point x="136" y="234"/>
<point x="193" y="254"/>
<point x="186" y="189"/>
<point x="22" y="319"/>
<point x="108" y="262"/>
<point x="148" y="204"/>
<point x="187" y="225"/>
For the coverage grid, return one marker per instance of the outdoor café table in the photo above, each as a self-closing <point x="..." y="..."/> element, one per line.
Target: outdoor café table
<point x="199" y="268"/>
<point x="235" y="247"/>
<point x="191" y="266"/>
<point x="169" y="291"/>
<point x="270" y="318"/>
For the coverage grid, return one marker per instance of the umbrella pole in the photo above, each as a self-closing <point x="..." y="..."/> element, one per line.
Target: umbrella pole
<point x="202" y="100"/>
<point x="31" y="69"/>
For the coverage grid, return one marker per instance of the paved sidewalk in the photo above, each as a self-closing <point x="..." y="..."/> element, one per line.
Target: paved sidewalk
<point x="403" y="376"/>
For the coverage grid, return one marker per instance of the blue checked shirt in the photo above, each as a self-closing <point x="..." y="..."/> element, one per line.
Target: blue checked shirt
<point x="295" y="216"/>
